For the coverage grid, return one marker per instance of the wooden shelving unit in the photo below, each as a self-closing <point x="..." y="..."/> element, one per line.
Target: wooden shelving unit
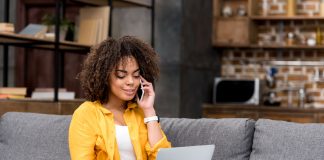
<point x="256" y="46"/>
<point x="242" y="31"/>
<point x="277" y="40"/>
<point x="63" y="107"/>
<point x="30" y="42"/>
<point x="303" y="18"/>
<point x="118" y="3"/>
<point x="59" y="47"/>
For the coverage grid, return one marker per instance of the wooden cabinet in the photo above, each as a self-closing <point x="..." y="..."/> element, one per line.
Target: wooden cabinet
<point x="269" y="24"/>
<point x="228" y="27"/>
<point x="63" y="107"/>
<point x="257" y="112"/>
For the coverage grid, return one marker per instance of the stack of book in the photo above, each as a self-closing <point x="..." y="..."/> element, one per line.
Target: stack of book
<point x="93" y="25"/>
<point x="12" y="92"/>
<point x="48" y="94"/>
<point x="7" y="28"/>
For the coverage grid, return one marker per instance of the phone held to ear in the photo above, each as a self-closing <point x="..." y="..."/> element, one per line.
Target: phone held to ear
<point x="140" y="91"/>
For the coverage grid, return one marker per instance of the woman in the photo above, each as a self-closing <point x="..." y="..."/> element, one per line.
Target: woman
<point x="114" y="124"/>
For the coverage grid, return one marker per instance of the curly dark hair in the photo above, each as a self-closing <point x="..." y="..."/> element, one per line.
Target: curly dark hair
<point x="106" y="56"/>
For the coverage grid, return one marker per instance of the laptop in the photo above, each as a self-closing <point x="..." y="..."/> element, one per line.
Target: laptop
<point x="201" y="152"/>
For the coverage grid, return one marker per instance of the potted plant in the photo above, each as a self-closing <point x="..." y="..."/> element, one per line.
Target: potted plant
<point x="65" y="25"/>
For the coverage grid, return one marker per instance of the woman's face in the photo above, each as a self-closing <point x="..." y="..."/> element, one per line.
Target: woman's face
<point x="124" y="80"/>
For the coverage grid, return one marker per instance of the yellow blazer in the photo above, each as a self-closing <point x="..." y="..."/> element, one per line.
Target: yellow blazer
<point x="92" y="133"/>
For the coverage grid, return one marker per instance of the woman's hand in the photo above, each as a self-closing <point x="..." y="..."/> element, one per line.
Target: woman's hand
<point x="147" y="102"/>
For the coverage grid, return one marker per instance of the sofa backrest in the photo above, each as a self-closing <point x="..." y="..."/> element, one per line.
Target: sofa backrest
<point x="45" y="137"/>
<point x="232" y="137"/>
<point x="34" y="136"/>
<point x="280" y="140"/>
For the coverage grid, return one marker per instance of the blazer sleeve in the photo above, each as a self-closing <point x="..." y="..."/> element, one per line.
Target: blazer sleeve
<point x="82" y="138"/>
<point x="152" y="151"/>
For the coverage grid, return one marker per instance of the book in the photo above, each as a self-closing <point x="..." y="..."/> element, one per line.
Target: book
<point x="50" y="95"/>
<point x="13" y="91"/>
<point x="34" y="30"/>
<point x="49" y="90"/>
<point x="96" y="21"/>
<point x="88" y="31"/>
<point x="9" y="96"/>
<point x="7" y="27"/>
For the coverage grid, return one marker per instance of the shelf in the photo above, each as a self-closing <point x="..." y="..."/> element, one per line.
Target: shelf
<point x="255" y="46"/>
<point x="292" y="114"/>
<point x="232" y="18"/>
<point x="298" y="63"/>
<point x="119" y="3"/>
<point x="261" y="108"/>
<point x="30" y="42"/>
<point x="77" y="100"/>
<point x="286" y="18"/>
<point x="62" y="107"/>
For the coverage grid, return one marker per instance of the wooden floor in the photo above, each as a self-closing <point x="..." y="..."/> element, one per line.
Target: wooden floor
<point x="64" y="107"/>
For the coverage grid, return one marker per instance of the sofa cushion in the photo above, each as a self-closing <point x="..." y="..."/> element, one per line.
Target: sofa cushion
<point x="276" y="140"/>
<point x="232" y="137"/>
<point x="34" y="136"/>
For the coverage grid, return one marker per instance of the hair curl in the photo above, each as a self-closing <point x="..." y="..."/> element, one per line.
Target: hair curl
<point x="106" y="56"/>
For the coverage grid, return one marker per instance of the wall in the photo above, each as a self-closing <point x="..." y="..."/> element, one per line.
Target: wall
<point x="188" y="62"/>
<point x="135" y="21"/>
<point x="200" y="62"/>
<point x="168" y="45"/>
<point x="247" y="64"/>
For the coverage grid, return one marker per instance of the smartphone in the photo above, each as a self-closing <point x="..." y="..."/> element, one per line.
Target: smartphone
<point x="140" y="91"/>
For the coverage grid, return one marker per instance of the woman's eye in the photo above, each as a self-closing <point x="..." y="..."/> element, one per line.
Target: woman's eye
<point x="136" y="75"/>
<point x="120" y="76"/>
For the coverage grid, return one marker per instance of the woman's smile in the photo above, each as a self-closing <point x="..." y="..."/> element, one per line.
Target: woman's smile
<point x="129" y="92"/>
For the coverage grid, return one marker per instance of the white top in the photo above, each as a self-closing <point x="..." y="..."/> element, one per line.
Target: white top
<point x="124" y="143"/>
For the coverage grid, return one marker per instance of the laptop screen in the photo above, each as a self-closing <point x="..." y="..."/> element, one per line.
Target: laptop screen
<point x="201" y="152"/>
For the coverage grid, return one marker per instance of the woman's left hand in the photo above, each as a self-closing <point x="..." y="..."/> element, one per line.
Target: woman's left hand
<point x="148" y="98"/>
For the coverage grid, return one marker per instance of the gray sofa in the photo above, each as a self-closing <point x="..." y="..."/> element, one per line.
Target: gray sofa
<point x="32" y="136"/>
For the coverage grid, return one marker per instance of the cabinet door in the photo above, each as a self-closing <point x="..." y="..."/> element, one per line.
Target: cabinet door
<point x="11" y="106"/>
<point x="321" y="118"/>
<point x="231" y="31"/>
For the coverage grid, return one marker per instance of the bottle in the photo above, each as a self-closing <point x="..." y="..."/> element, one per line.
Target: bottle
<point x="318" y="35"/>
<point x="290" y="39"/>
<point x="265" y="8"/>
<point x="322" y="8"/>
<point x="291" y="7"/>
<point x="302" y="96"/>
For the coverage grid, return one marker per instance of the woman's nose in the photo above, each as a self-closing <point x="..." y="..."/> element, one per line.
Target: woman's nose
<point x="130" y="81"/>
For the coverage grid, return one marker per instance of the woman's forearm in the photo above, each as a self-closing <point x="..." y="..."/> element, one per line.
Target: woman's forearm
<point x="153" y="128"/>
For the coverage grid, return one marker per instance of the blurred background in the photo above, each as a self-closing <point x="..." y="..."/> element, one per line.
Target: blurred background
<point x="218" y="58"/>
<point x="182" y="37"/>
